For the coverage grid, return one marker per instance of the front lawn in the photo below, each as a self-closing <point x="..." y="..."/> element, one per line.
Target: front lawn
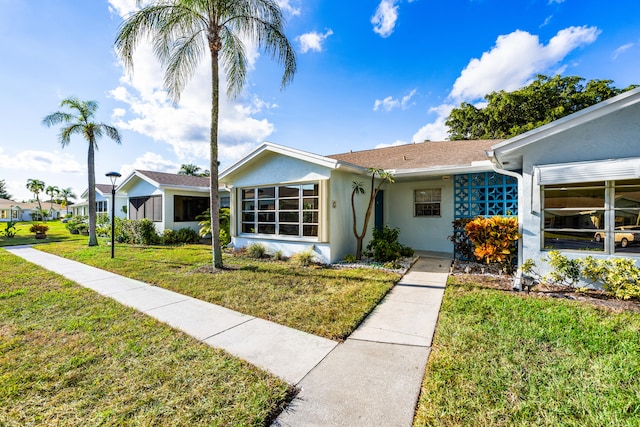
<point x="71" y="357"/>
<point x="499" y="358"/>
<point x="57" y="233"/>
<point x="322" y="301"/>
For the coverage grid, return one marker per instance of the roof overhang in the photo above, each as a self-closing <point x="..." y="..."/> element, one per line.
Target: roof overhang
<point x="267" y="148"/>
<point x="412" y="174"/>
<point x="509" y="152"/>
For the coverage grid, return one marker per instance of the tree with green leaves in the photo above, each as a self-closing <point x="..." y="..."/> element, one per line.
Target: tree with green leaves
<point x="184" y="31"/>
<point x="36" y="187"/>
<point x="190" y="170"/>
<point x="357" y="189"/>
<point x="81" y="121"/>
<point x="546" y="99"/>
<point x="65" y="195"/>
<point x="3" y="191"/>
<point x="52" y="191"/>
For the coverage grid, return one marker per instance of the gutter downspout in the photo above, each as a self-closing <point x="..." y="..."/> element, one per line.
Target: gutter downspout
<point x="498" y="168"/>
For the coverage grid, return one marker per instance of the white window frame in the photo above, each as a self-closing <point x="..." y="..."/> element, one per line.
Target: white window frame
<point x="609" y="227"/>
<point x="431" y="201"/>
<point x="277" y="212"/>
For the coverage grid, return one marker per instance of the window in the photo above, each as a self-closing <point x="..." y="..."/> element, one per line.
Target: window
<point x="584" y="216"/>
<point x="149" y="207"/>
<point x="286" y="210"/>
<point x="225" y="202"/>
<point x="101" y="206"/>
<point x="427" y="202"/>
<point x="187" y="208"/>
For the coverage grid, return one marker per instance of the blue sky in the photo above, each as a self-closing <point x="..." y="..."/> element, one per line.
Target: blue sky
<point x="371" y="73"/>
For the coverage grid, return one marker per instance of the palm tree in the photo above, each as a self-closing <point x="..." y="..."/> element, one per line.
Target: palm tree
<point x="184" y="30"/>
<point x="66" y="194"/>
<point x="52" y="191"/>
<point x="36" y="186"/>
<point x="190" y="170"/>
<point x="82" y="122"/>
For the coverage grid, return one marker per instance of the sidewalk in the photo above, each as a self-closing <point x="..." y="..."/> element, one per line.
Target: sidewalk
<point x="287" y="353"/>
<point x="373" y="378"/>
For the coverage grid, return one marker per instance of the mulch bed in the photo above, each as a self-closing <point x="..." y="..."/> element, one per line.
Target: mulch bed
<point x="492" y="277"/>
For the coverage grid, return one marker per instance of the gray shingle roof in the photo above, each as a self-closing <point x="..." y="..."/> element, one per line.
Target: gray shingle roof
<point x="163" y="178"/>
<point x="420" y="155"/>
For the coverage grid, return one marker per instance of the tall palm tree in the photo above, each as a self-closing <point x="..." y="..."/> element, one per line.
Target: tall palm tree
<point x="36" y="186"/>
<point x="189" y="170"/>
<point x="81" y="121"/>
<point x="66" y="194"/>
<point x="52" y="191"/>
<point x="184" y="30"/>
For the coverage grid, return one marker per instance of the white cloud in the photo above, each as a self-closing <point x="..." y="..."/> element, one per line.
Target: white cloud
<point x="286" y="7"/>
<point x="384" y="21"/>
<point x="436" y="130"/>
<point x="45" y="161"/>
<point x="555" y="1"/>
<point x="150" y="161"/>
<point x="393" y="144"/>
<point x="389" y="103"/>
<point x="313" y="41"/>
<point x="621" y="50"/>
<point x="186" y="126"/>
<point x="514" y="59"/>
<point x="509" y="65"/>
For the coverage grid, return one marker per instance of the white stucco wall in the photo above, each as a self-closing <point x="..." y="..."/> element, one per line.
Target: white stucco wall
<point x="609" y="137"/>
<point x="420" y="233"/>
<point x="168" y="216"/>
<point x="273" y="169"/>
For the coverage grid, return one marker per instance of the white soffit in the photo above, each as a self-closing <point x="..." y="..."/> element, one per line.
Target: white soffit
<point x="599" y="170"/>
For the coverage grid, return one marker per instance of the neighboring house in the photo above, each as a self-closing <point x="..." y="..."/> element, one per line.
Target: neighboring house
<point x="171" y="201"/>
<point x="574" y="184"/>
<point x="580" y="191"/>
<point x="291" y="200"/>
<point x="21" y="211"/>
<point x="103" y="202"/>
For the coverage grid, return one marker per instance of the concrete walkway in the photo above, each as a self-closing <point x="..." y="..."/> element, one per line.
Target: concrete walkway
<point x="373" y="378"/>
<point x="288" y="353"/>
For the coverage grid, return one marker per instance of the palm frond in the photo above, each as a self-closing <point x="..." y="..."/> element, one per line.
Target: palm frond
<point x="234" y="61"/>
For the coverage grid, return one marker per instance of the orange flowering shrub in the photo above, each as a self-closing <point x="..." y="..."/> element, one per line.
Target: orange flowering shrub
<point x="494" y="240"/>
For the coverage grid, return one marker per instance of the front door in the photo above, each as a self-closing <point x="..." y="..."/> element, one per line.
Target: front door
<point x="379" y="211"/>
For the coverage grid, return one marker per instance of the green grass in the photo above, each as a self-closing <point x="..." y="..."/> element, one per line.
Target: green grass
<point x="71" y="357"/>
<point x="57" y="233"/>
<point x="503" y="359"/>
<point x="322" y="301"/>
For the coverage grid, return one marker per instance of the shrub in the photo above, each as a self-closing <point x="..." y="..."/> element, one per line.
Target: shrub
<point x="75" y="221"/>
<point x="256" y="250"/>
<point x="494" y="240"/>
<point x="304" y="258"/>
<point x="619" y="276"/>
<point x="10" y="230"/>
<point x="462" y="246"/>
<point x="39" y="228"/>
<point x="181" y="236"/>
<point x="349" y="258"/>
<point x="384" y="245"/>
<point x="137" y="231"/>
<point x="278" y="255"/>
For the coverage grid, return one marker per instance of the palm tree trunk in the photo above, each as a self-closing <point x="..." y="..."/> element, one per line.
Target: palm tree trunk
<point x="213" y="162"/>
<point x="93" y="240"/>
